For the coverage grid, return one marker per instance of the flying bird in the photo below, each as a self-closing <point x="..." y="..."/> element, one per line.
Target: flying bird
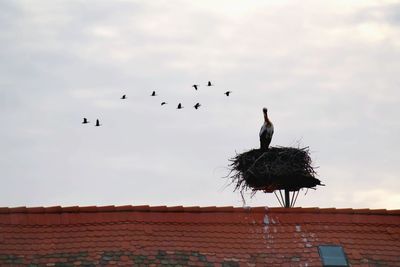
<point x="197" y="105"/>
<point x="163" y="103"/>
<point x="195" y="86"/>
<point x="123" y="97"/>
<point x="153" y="94"/>
<point x="266" y="132"/>
<point x="180" y="106"/>
<point x="85" y="121"/>
<point x="227" y="93"/>
<point x="209" y="83"/>
<point x="97" y="123"/>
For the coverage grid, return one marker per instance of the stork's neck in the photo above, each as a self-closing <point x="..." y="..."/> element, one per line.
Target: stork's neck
<point x="266" y="120"/>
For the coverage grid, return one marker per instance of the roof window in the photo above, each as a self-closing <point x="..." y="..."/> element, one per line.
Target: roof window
<point x="332" y="255"/>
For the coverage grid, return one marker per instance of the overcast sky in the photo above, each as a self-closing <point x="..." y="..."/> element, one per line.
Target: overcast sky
<point x="328" y="71"/>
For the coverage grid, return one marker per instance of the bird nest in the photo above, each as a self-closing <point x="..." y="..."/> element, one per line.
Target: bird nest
<point x="277" y="168"/>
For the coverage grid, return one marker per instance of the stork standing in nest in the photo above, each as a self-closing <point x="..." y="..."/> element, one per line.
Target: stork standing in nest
<point x="266" y="132"/>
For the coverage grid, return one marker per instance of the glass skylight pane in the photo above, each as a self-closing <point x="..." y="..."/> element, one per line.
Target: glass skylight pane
<point x="332" y="256"/>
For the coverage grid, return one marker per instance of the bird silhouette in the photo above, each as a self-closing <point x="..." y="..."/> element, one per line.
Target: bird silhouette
<point x="153" y="94"/>
<point x="195" y="86"/>
<point x="266" y="131"/>
<point x="209" y="83"/>
<point x="123" y="97"/>
<point x="97" y="123"/>
<point x="85" y="121"/>
<point x="197" y="105"/>
<point x="163" y="103"/>
<point x="227" y="93"/>
<point x="179" y="106"/>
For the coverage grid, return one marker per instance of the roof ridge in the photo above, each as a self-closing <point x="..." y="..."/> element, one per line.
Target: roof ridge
<point x="196" y="209"/>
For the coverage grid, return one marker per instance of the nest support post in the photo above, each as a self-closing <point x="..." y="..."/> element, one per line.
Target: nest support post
<point x="286" y="199"/>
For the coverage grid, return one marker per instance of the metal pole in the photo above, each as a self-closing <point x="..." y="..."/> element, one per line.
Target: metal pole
<point x="287" y="199"/>
<point x="294" y="202"/>
<point x="278" y="199"/>
<point x="283" y="200"/>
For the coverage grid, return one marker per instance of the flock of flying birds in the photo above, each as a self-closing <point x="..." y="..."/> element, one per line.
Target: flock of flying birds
<point x="196" y="106"/>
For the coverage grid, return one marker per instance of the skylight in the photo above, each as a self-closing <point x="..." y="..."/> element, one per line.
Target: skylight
<point x="332" y="255"/>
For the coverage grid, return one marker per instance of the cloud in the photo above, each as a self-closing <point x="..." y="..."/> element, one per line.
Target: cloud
<point x="326" y="71"/>
<point x="378" y="198"/>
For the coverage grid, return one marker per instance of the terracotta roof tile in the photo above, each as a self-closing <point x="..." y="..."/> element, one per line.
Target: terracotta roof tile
<point x="124" y="235"/>
<point x="53" y="209"/>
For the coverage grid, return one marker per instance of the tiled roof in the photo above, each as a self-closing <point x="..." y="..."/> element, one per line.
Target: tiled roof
<point x="194" y="236"/>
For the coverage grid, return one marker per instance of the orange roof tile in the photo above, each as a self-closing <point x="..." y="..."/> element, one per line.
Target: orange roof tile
<point x="209" y="236"/>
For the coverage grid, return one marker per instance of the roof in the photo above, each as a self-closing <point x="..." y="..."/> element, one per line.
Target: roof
<point x="198" y="236"/>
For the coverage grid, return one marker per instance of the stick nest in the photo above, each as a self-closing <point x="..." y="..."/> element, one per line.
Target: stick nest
<point x="274" y="169"/>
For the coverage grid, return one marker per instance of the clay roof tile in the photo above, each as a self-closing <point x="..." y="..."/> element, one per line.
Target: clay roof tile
<point x="115" y="235"/>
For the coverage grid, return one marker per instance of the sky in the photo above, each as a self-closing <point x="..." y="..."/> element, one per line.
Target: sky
<point x="326" y="70"/>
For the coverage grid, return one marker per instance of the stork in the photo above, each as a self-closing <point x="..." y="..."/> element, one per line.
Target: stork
<point x="266" y="132"/>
